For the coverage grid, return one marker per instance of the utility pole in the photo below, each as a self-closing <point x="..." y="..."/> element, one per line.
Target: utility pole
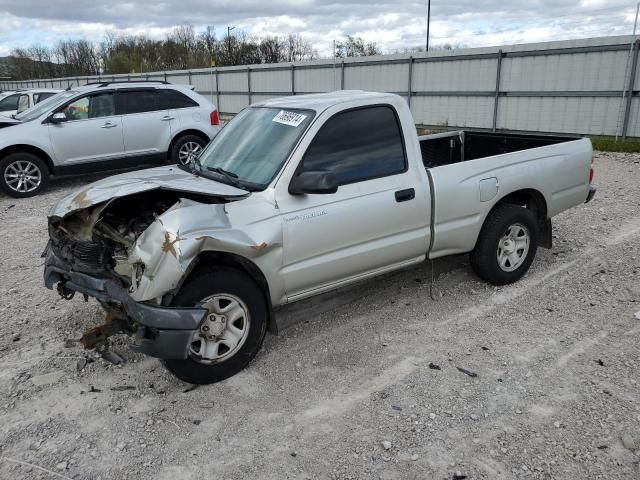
<point x="635" y="24"/>
<point x="229" y="40"/>
<point x="426" y="48"/>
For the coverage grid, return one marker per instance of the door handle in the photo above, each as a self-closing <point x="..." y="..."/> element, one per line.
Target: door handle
<point x="166" y="118"/>
<point x="405" y="195"/>
<point x="108" y="125"/>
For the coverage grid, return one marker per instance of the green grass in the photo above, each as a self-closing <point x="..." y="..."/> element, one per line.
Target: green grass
<point x="609" y="144"/>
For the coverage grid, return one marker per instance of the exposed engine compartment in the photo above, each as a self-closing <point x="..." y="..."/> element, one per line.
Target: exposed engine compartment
<point x="96" y="240"/>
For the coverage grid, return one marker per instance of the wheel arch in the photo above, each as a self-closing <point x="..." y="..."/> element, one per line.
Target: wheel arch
<point x="533" y="200"/>
<point x="226" y="259"/>
<point x="189" y="131"/>
<point x="26" y="148"/>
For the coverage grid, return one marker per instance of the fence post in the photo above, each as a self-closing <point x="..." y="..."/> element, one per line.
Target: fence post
<point x="189" y="77"/>
<point x="217" y="91"/>
<point x="497" y="94"/>
<point x="249" y="83"/>
<point x="632" y="81"/>
<point x="409" y="81"/>
<point x="293" y="79"/>
<point x="342" y="75"/>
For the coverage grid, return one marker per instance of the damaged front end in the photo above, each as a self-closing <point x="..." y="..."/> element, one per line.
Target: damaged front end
<point x="130" y="254"/>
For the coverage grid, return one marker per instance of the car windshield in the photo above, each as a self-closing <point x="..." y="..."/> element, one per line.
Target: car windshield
<point x="45" y="105"/>
<point x="252" y="148"/>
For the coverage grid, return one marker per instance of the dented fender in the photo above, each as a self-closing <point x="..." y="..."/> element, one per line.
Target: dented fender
<point x="164" y="253"/>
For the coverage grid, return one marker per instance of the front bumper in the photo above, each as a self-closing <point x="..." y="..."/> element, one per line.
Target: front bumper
<point x="164" y="332"/>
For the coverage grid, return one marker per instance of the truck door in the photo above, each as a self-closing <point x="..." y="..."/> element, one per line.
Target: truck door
<point x="377" y="219"/>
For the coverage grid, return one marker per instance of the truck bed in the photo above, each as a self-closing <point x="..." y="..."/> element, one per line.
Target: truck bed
<point x="470" y="171"/>
<point x="459" y="146"/>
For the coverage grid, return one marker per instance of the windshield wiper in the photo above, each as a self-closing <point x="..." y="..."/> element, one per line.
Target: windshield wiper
<point x="231" y="177"/>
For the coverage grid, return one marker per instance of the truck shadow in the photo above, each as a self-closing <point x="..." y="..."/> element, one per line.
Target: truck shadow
<point x="312" y="309"/>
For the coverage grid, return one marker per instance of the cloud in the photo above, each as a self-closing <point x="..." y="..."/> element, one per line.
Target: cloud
<point x="393" y="25"/>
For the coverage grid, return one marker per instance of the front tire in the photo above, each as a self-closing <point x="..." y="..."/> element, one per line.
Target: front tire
<point x="23" y="175"/>
<point x="233" y="332"/>
<point x="506" y="246"/>
<point x="186" y="149"/>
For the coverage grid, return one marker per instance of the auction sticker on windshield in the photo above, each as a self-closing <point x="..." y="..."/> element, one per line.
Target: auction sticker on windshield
<point x="292" y="119"/>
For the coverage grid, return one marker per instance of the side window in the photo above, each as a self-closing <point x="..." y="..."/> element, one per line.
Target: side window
<point x="358" y="145"/>
<point x="136" y="101"/>
<point x="77" y="110"/>
<point x="42" y="96"/>
<point x="93" y="106"/>
<point x="171" y="99"/>
<point x="9" y="103"/>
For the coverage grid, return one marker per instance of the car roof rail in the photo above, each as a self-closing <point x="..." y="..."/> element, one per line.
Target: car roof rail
<point x="106" y="84"/>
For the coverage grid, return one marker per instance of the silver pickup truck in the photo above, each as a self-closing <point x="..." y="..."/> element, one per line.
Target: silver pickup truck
<point x="297" y="196"/>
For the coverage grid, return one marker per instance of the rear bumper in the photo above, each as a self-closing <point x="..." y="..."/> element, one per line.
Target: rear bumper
<point x="163" y="332"/>
<point x="591" y="194"/>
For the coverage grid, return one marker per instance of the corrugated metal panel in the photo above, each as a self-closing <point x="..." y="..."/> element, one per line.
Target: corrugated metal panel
<point x="474" y="112"/>
<point x="202" y="83"/>
<point x="381" y="78"/>
<point x="318" y="79"/>
<point x="271" y="81"/>
<point x="464" y="75"/>
<point x="634" y="118"/>
<point x="575" y="72"/>
<point x="233" y="82"/>
<point x="233" y="103"/>
<point x="595" y="115"/>
<point x="179" y="79"/>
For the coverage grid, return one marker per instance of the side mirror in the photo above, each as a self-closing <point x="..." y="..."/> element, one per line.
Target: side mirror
<point x="318" y="181"/>
<point x="58" y="118"/>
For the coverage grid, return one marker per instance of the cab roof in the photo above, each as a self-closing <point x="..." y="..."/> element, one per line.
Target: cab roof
<point x="322" y="101"/>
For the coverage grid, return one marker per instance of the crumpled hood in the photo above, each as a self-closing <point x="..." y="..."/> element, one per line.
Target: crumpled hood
<point x="168" y="178"/>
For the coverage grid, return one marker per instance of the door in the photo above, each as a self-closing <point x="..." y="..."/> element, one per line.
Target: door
<point x="147" y="128"/>
<point x="91" y="132"/>
<point x="186" y="111"/>
<point x="377" y="219"/>
<point x="9" y="104"/>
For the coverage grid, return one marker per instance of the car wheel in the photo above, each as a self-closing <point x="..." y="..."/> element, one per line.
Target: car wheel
<point x="186" y="149"/>
<point x="23" y="175"/>
<point x="506" y="246"/>
<point x="231" y="334"/>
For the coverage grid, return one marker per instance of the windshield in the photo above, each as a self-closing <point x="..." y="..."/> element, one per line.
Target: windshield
<point x="253" y="146"/>
<point x="45" y="105"/>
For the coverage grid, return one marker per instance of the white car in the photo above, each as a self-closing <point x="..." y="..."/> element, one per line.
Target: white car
<point x="103" y="126"/>
<point x="12" y="103"/>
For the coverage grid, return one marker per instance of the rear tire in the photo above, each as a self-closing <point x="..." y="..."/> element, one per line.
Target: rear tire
<point x="23" y="175"/>
<point x="506" y="246"/>
<point x="186" y="148"/>
<point x="235" y="338"/>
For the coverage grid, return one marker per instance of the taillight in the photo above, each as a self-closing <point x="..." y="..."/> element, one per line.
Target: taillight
<point x="215" y="120"/>
<point x="591" y="169"/>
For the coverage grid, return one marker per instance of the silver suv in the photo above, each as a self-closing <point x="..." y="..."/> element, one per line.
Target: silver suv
<point x="103" y="126"/>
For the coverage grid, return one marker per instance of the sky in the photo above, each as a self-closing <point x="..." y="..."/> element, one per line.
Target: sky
<point x="392" y="25"/>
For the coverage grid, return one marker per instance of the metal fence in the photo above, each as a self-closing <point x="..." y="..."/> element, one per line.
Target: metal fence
<point x="589" y="86"/>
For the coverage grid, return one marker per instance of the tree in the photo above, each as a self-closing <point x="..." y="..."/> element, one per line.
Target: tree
<point x="297" y="48"/>
<point x="356" y="47"/>
<point x="181" y="49"/>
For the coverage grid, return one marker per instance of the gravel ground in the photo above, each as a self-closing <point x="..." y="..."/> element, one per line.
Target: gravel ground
<point x="368" y="388"/>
